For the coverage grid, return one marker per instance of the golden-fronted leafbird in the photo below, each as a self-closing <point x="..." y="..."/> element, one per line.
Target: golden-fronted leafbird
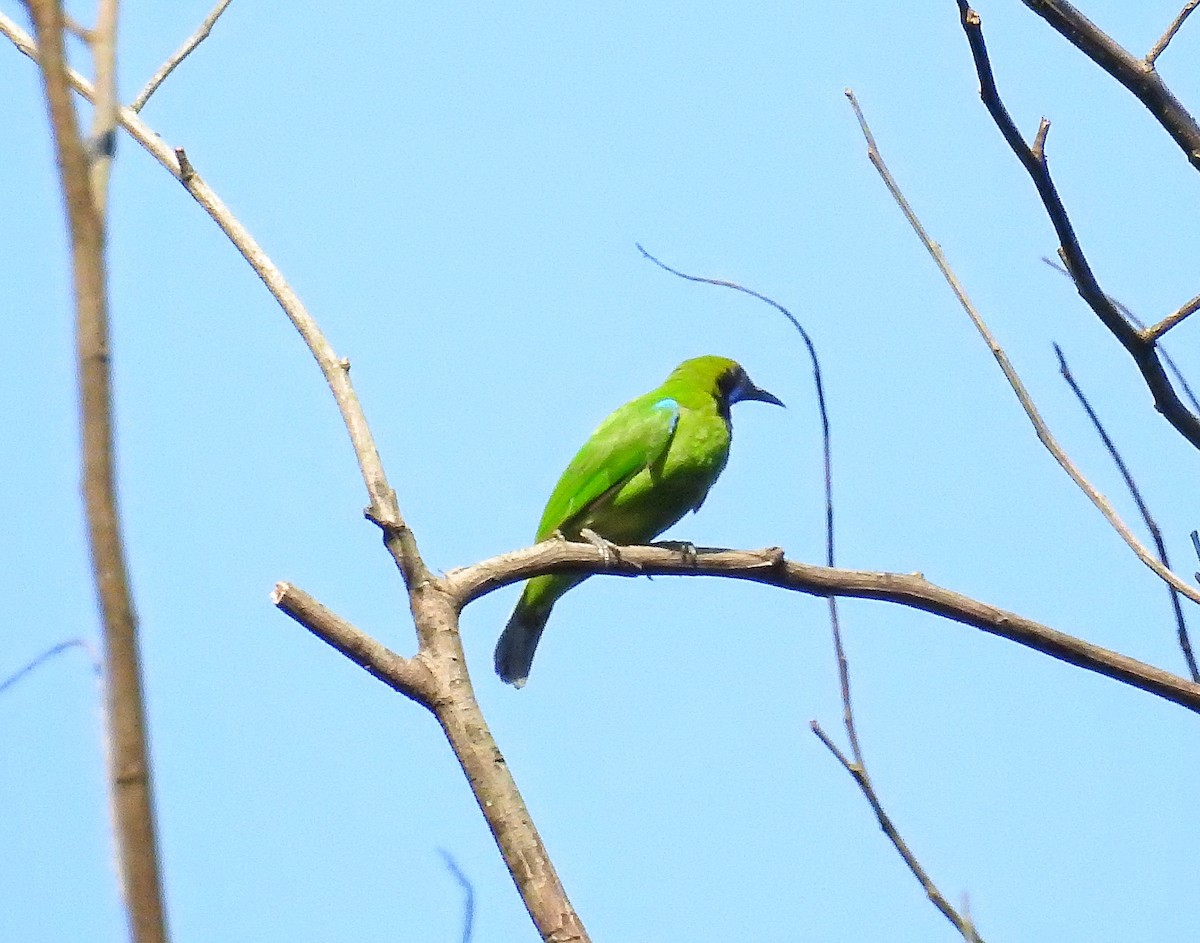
<point x="646" y="466"/>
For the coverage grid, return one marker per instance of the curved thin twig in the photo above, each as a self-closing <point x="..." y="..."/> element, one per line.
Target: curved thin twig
<point x="1157" y="49"/>
<point x="858" y="772"/>
<point x="384" y="508"/>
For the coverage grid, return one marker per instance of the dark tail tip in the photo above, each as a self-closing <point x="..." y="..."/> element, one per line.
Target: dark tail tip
<point x="518" y="642"/>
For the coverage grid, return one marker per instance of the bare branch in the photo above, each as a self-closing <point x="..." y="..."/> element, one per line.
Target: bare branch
<point x="769" y="567"/>
<point x="1152" y="334"/>
<point x="858" y="773"/>
<point x="1137" y="322"/>
<point x="410" y="676"/>
<point x="434" y="615"/>
<point x="179" y="55"/>
<point x="437" y="679"/>
<point x="1157" y="49"/>
<point x="1010" y="373"/>
<point x="130" y="782"/>
<point x="1166" y="400"/>
<point x="1134" y="73"/>
<point x="1180" y="623"/>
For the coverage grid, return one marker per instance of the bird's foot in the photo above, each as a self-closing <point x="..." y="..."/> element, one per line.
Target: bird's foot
<point x="685" y="548"/>
<point x="608" y="550"/>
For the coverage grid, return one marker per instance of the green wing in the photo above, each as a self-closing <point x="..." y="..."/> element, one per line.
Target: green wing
<point x="633" y="438"/>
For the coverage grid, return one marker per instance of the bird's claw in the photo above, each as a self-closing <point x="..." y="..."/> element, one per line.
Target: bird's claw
<point x="608" y="550"/>
<point x="685" y="548"/>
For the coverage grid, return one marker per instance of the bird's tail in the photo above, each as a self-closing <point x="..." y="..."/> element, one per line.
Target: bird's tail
<point x="518" y="642"/>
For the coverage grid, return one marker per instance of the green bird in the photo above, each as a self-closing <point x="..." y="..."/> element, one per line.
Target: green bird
<point x="643" y="469"/>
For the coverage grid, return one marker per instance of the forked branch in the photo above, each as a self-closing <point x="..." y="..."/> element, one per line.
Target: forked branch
<point x="1136" y="74"/>
<point x="1033" y="159"/>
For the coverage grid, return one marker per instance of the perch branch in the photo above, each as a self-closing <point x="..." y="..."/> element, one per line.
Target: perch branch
<point x="1160" y="546"/>
<point x="1010" y="373"/>
<point x="179" y="55"/>
<point x="1136" y="74"/>
<point x="1033" y="159"/>
<point x="130" y="781"/>
<point x="770" y="568"/>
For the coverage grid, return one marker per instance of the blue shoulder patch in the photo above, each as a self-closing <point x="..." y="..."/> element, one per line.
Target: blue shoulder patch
<point x="670" y="406"/>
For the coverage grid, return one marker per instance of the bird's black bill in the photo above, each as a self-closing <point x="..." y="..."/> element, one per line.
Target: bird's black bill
<point x="747" y="390"/>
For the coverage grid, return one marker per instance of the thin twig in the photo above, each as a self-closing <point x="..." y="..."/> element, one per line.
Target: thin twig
<point x="1033" y="159"/>
<point x="1132" y="317"/>
<point x="129" y="772"/>
<point x="1010" y="373"/>
<point x="52" y="652"/>
<point x="1185" y="644"/>
<point x="1157" y="49"/>
<point x="859" y="774"/>
<point x="1152" y="334"/>
<point x="1131" y="71"/>
<point x="179" y="55"/>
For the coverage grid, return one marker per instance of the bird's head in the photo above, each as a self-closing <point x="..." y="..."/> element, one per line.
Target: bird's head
<point x="725" y="379"/>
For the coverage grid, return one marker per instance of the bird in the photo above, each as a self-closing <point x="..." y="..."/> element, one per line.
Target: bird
<point x="646" y="465"/>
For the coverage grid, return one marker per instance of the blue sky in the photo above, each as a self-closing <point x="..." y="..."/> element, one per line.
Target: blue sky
<point x="456" y="191"/>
